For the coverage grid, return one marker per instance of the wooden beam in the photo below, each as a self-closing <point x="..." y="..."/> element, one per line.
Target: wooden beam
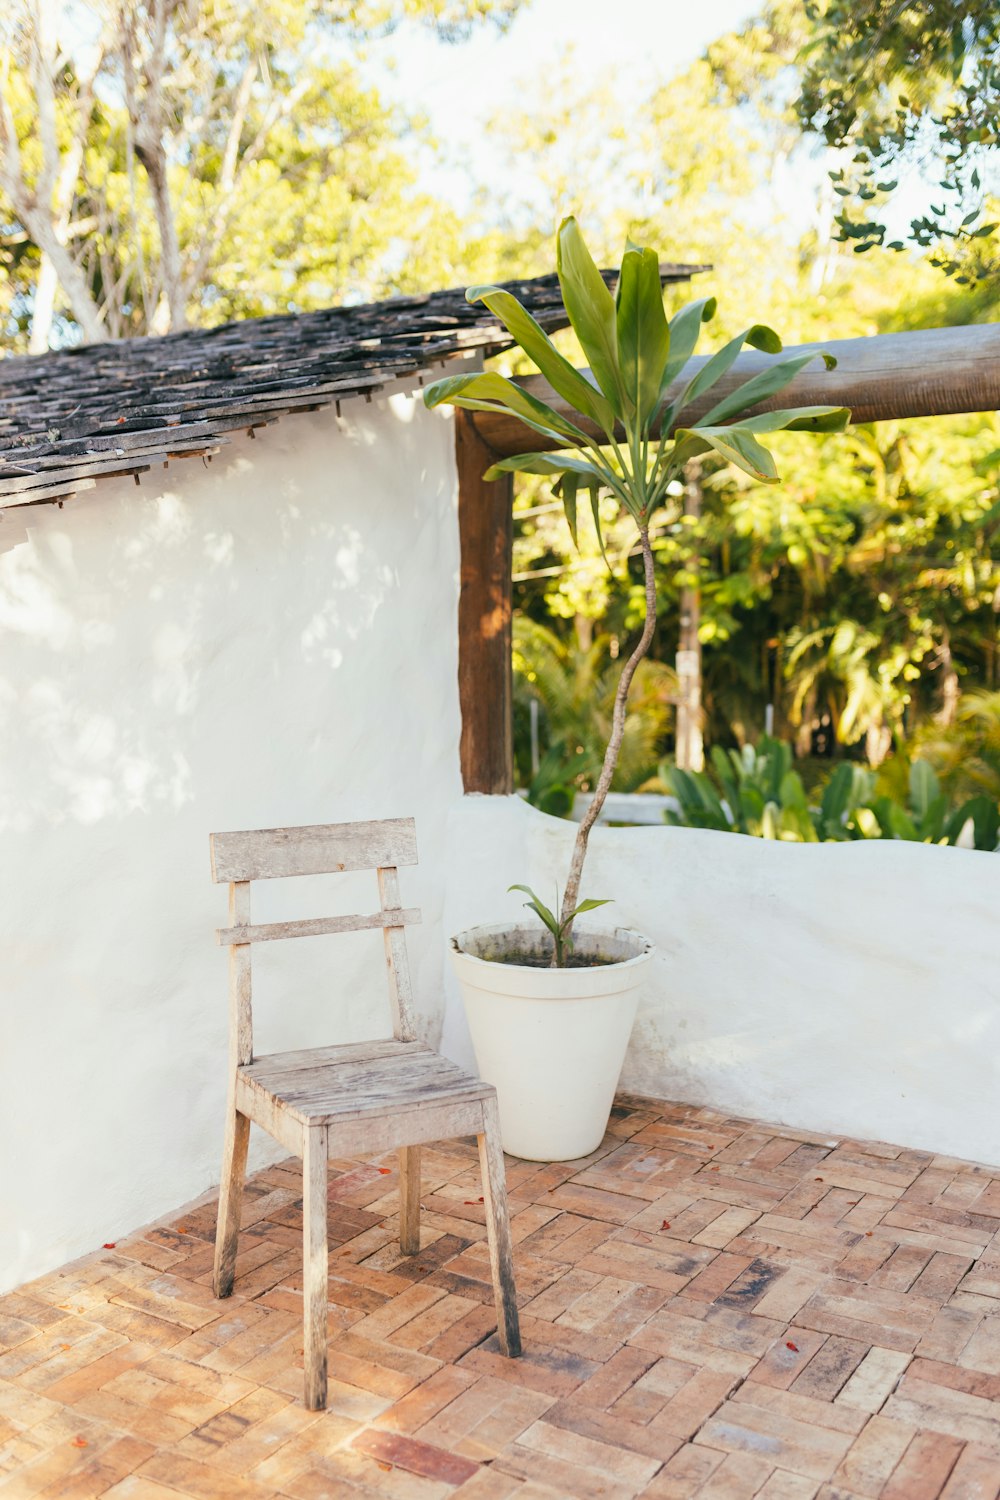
<point x="486" y="531"/>
<point x="933" y="372"/>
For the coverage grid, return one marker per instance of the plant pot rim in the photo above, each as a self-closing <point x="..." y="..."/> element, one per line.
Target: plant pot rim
<point x="622" y="935"/>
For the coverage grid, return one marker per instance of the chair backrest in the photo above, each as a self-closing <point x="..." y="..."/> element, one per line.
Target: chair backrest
<point x="273" y="853"/>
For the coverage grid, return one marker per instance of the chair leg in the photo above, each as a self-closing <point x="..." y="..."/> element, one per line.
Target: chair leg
<point x="409" y="1199"/>
<point x="498" y="1230"/>
<point x="227" y="1231"/>
<point x="315" y="1290"/>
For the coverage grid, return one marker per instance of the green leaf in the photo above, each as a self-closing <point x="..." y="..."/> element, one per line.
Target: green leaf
<point x="545" y="463"/>
<point x="836" y="794"/>
<point x="767" y="383"/>
<point x="595" y="508"/>
<point x="564" y="377"/>
<point x="591" y="310"/>
<point x="893" y="821"/>
<point x="932" y="822"/>
<point x="759" y="336"/>
<point x="791" y="792"/>
<point x="568" y="487"/>
<point x="685" y="328"/>
<point x="735" y="444"/>
<point x="643" y="336"/>
<point x="490" y="392"/>
<point x="539" y="908"/>
<point x="846" y="790"/>
<point x="700" y="803"/>
<point x="924" y="788"/>
<point x="798" y="419"/>
<point x="589" y="905"/>
<point x="985" y="817"/>
<point x="796" y="825"/>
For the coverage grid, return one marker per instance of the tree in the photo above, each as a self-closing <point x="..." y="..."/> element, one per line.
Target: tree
<point x="143" y="144"/>
<point x="896" y="85"/>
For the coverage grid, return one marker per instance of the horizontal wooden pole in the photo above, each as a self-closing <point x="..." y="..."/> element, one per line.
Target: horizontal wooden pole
<point x="887" y="376"/>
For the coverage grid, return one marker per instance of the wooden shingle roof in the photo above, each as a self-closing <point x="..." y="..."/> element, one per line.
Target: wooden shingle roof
<point x="72" y="416"/>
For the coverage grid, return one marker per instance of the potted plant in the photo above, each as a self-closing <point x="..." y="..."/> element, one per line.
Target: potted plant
<point x="550" y="1012"/>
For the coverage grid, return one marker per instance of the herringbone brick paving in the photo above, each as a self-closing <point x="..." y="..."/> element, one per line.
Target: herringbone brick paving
<point x="711" y="1308"/>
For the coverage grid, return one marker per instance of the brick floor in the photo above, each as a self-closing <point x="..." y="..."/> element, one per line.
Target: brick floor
<point x="711" y="1308"/>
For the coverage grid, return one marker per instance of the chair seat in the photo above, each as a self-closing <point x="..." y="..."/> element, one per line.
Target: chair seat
<point x="360" y="1081"/>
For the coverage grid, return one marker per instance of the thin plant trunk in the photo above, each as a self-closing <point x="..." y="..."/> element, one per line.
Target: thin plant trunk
<point x="572" y="892"/>
<point x="689" y="752"/>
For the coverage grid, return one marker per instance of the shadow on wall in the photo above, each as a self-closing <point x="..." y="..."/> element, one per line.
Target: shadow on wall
<point x="124" y="610"/>
<point x="267" y="640"/>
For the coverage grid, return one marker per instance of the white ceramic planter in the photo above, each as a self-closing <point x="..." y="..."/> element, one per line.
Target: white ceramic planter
<point x="551" y="1041"/>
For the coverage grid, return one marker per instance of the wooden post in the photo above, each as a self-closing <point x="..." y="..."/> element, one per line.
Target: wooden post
<point x="689" y="750"/>
<point x="486" y="532"/>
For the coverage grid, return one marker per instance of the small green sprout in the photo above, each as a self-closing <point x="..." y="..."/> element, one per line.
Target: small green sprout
<point x="560" y="929"/>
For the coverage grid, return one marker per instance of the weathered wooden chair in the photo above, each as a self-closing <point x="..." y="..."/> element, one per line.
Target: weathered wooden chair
<point x="345" y="1100"/>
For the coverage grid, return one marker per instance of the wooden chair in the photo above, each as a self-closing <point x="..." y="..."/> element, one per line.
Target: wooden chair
<point x="345" y="1100"/>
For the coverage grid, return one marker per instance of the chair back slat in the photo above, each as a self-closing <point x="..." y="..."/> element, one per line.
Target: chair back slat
<point x="272" y="853"/>
<point x="396" y="961"/>
<point x="240" y="1000"/>
<point x="265" y="932"/>
<point x="324" y="849"/>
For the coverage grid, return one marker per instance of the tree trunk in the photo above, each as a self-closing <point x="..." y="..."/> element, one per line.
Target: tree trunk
<point x="68" y="273"/>
<point x="689" y="749"/>
<point x="950" y="689"/>
<point x="153" y="158"/>
<point x="43" y="306"/>
<point x="571" y="895"/>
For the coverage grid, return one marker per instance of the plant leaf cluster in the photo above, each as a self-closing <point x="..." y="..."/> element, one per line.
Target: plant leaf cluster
<point x="559" y="926"/>
<point x="627" y="438"/>
<point x="755" y="791"/>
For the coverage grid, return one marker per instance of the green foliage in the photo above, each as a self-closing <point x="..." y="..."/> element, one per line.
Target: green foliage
<point x="290" y="181"/>
<point x="885" y="531"/>
<point x="574" y="685"/>
<point x="862" y="587"/>
<point x="551" y="788"/>
<point x="893" y="87"/>
<point x="966" y="754"/>
<point x="752" y="791"/>
<point x="755" y="791"/>
<point x="559" y="926"/>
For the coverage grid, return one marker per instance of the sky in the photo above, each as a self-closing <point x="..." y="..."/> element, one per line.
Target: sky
<point x="460" y="86"/>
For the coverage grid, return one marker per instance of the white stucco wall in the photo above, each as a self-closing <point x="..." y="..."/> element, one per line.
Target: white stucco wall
<point x="845" y="988"/>
<point x="267" y="640"/>
<point x="272" y="640"/>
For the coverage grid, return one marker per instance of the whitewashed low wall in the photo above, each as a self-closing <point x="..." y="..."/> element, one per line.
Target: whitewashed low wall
<point x="847" y="988"/>
<point x="269" y="640"/>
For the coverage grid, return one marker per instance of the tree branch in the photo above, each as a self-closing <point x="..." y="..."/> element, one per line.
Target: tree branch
<point x="147" y="117"/>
